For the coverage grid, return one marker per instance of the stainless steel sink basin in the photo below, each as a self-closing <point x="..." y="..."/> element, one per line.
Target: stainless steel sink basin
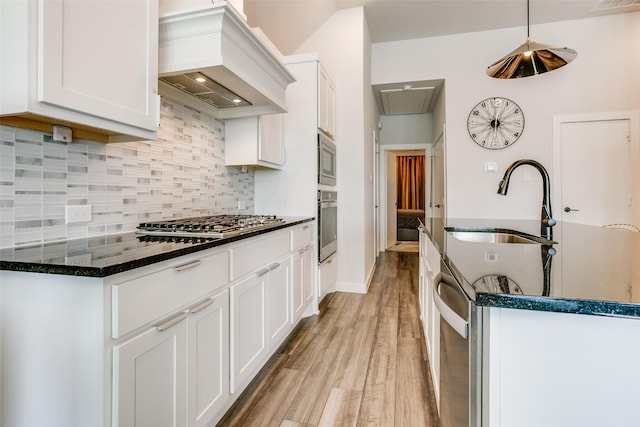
<point x="496" y="235"/>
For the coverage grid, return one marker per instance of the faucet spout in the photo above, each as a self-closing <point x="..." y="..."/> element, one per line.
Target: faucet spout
<point x="546" y="218"/>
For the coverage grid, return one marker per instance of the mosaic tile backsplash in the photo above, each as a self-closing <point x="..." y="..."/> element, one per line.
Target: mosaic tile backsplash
<point x="181" y="174"/>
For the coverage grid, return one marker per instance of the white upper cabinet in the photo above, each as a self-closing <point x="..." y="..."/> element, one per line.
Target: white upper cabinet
<point x="255" y="141"/>
<point x="88" y="65"/>
<point x="326" y="103"/>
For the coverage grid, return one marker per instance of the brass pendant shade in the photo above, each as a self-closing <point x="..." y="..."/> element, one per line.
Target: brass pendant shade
<point x="530" y="59"/>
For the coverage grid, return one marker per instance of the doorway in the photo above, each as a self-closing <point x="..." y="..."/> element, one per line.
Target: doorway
<point x="403" y="192"/>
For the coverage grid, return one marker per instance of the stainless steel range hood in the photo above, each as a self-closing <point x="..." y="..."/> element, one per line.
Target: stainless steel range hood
<point x="211" y="60"/>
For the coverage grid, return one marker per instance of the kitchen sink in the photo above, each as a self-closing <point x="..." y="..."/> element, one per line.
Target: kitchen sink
<point x="496" y="235"/>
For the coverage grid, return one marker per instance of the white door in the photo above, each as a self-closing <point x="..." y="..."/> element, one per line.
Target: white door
<point x="595" y="172"/>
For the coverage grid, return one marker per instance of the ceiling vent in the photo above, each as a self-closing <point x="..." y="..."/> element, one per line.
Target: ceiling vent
<point x="406" y="100"/>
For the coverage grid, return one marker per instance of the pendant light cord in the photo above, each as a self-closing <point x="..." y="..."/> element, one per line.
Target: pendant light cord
<point x="527" y="20"/>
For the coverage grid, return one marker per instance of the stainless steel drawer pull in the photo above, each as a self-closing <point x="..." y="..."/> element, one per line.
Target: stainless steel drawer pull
<point x="202" y="305"/>
<point x="187" y="265"/>
<point x="274" y="266"/>
<point x="169" y="323"/>
<point x="305" y="249"/>
<point x="263" y="272"/>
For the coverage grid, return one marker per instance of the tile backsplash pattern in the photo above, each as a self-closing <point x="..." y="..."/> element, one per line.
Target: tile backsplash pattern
<point x="181" y="174"/>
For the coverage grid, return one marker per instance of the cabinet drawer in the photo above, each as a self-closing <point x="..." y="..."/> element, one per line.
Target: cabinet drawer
<point x="144" y="299"/>
<point x="257" y="254"/>
<point x="301" y="237"/>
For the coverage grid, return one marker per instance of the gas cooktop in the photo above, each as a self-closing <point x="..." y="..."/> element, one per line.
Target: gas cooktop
<point x="213" y="226"/>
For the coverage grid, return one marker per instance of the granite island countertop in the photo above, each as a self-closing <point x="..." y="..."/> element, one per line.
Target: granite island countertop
<point x="104" y="256"/>
<point x="593" y="271"/>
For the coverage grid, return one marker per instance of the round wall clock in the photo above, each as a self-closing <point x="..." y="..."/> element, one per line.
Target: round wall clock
<point x="495" y="123"/>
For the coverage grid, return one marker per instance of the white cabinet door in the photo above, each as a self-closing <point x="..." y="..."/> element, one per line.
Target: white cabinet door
<point x="270" y="142"/>
<point x="255" y="141"/>
<point x="327" y="275"/>
<point x="208" y="360"/>
<point x="326" y="103"/>
<point x="149" y="377"/>
<point x="100" y="57"/>
<point x="307" y="275"/>
<point x="297" y="283"/>
<point x="302" y="282"/>
<point x="88" y="65"/>
<point x="249" y="344"/>
<point x="278" y="302"/>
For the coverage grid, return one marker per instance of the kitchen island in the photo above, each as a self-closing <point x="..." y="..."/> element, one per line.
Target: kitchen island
<point x="559" y="329"/>
<point x="136" y="330"/>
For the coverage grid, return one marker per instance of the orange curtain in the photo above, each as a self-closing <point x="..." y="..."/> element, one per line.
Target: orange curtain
<point x="410" y="181"/>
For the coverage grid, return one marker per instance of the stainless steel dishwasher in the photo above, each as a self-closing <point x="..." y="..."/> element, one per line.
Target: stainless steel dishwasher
<point x="460" y="352"/>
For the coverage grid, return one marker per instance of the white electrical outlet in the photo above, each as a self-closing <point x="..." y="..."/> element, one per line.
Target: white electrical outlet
<point x="62" y="134"/>
<point x="79" y="213"/>
<point x="241" y="205"/>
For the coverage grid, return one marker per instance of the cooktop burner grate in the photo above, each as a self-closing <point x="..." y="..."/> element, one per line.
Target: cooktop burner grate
<point x="213" y="226"/>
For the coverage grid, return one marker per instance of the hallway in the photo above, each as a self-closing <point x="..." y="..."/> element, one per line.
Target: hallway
<point x="361" y="362"/>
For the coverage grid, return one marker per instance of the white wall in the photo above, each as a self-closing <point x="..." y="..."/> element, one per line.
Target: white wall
<point x="604" y="77"/>
<point x="343" y="45"/>
<point x="406" y="129"/>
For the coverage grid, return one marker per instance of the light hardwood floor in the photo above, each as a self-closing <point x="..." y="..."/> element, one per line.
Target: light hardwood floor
<point x="361" y="362"/>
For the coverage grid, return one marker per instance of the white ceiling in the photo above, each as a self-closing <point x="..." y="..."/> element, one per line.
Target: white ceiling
<point x="288" y="23"/>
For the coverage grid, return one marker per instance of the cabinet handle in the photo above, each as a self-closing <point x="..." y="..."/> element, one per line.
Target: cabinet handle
<point x="169" y="323"/>
<point x="273" y="266"/>
<point x="199" y="307"/>
<point x="187" y="265"/>
<point x="263" y="272"/>
<point x="305" y="249"/>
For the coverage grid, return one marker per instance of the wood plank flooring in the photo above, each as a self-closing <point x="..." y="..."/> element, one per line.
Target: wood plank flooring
<point x="361" y="362"/>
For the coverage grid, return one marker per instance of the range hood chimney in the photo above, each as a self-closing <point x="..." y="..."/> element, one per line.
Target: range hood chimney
<point x="212" y="61"/>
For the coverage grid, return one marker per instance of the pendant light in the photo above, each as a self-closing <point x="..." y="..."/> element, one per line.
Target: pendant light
<point x="530" y="59"/>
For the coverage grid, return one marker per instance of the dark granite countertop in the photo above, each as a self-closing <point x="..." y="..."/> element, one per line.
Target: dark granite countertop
<point x="593" y="271"/>
<point x="111" y="254"/>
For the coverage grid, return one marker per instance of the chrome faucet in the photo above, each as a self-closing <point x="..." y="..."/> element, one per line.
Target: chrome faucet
<point x="546" y="221"/>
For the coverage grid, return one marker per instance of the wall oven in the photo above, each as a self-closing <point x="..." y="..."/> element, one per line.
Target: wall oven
<point x="326" y="160"/>
<point x="327" y="224"/>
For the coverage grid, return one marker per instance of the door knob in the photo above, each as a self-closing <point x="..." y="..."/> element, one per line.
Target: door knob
<point x="568" y="209"/>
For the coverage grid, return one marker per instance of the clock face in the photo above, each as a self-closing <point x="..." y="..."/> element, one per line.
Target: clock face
<point x="495" y="123"/>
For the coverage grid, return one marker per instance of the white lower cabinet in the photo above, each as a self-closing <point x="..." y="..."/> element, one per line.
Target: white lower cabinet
<point x="175" y="373"/>
<point x="260" y="320"/>
<point x="327" y="275"/>
<point x="149" y="377"/>
<point x="248" y="329"/>
<point x="430" y="316"/>
<point x="302" y="282"/>
<point x="208" y="360"/>
<point x="279" y="302"/>
<point x="171" y="344"/>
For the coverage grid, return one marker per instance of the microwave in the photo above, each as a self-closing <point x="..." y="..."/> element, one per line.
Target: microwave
<point x="326" y="160"/>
